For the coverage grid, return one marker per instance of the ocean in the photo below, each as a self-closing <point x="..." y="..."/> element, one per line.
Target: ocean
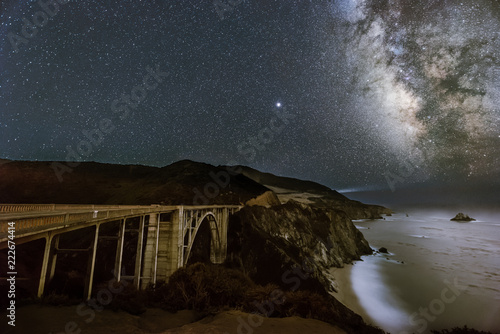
<point x="438" y="273"/>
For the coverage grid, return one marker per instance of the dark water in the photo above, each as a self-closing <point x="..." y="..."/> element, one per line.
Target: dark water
<point x="450" y="275"/>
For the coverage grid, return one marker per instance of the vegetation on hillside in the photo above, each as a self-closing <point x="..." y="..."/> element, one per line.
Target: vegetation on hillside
<point x="213" y="288"/>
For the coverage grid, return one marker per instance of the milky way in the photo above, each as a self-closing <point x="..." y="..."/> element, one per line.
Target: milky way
<point x="427" y="81"/>
<point x="340" y="92"/>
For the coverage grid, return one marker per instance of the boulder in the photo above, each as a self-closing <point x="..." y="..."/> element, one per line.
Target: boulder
<point x="383" y="250"/>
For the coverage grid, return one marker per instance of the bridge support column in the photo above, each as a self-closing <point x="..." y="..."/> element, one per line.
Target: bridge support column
<point x="180" y="223"/>
<point x="138" y="256"/>
<point x="91" y="266"/>
<point x="45" y="264"/>
<point x="168" y="247"/>
<point x="53" y="257"/>
<point x="150" y="261"/>
<point x="119" y="251"/>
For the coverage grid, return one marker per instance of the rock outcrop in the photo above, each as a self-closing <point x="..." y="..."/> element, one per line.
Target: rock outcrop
<point x="358" y="210"/>
<point x="462" y="217"/>
<point x="293" y="244"/>
<point x="383" y="250"/>
<point x="266" y="199"/>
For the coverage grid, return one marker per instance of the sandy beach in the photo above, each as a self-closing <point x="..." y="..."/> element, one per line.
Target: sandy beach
<point x="345" y="292"/>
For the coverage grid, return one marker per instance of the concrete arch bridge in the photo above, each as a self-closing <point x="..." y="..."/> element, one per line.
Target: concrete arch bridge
<point x="143" y="244"/>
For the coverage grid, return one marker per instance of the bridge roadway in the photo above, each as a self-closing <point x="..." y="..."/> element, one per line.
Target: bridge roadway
<point x="165" y="235"/>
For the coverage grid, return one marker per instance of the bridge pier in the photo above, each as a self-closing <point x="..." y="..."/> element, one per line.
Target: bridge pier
<point x="149" y="262"/>
<point x="173" y="248"/>
<point x="162" y="249"/>
<point x="53" y="257"/>
<point x="138" y="256"/>
<point x="119" y="251"/>
<point x="89" y="280"/>
<point x="45" y="264"/>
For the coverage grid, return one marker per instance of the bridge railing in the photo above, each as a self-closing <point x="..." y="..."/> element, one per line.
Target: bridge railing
<point x="47" y="220"/>
<point x="26" y="207"/>
<point x="30" y="218"/>
<point x="18" y="208"/>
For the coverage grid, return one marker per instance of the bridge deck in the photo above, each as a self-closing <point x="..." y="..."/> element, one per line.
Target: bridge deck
<point x="37" y="218"/>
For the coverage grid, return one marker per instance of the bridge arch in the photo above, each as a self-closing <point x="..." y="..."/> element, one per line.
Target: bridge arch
<point x="207" y="230"/>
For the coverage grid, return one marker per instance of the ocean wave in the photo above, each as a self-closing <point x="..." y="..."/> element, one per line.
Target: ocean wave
<point x="362" y="227"/>
<point x="431" y="228"/>
<point x="420" y="236"/>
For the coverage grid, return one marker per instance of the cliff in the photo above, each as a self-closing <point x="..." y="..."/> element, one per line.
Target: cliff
<point x="270" y="244"/>
<point x="266" y="199"/>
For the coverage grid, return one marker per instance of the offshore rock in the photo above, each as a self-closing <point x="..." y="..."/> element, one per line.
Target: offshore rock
<point x="462" y="217"/>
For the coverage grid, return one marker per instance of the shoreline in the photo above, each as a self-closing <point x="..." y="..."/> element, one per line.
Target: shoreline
<point x="393" y="288"/>
<point x="345" y="292"/>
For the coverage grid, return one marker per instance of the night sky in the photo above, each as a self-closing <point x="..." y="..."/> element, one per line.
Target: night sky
<point x="349" y="93"/>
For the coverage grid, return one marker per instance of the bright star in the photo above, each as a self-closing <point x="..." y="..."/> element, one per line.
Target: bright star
<point x="278" y="104"/>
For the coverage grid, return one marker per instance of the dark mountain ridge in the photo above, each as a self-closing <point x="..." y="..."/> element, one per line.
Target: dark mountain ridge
<point x="98" y="183"/>
<point x="184" y="182"/>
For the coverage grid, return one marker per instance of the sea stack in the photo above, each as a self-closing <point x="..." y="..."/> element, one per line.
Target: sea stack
<point x="462" y="217"/>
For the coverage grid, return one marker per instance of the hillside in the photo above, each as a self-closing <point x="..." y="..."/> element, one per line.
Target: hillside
<point x="184" y="182"/>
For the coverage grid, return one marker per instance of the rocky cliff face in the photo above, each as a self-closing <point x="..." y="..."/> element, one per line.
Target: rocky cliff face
<point x="358" y="210"/>
<point x="266" y="199"/>
<point x="293" y="244"/>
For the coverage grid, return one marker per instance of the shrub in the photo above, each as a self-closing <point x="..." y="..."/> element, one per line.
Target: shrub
<point x="272" y="300"/>
<point x="129" y="300"/>
<point x="205" y="287"/>
<point x="264" y="299"/>
<point x="457" y="330"/>
<point x="306" y="304"/>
